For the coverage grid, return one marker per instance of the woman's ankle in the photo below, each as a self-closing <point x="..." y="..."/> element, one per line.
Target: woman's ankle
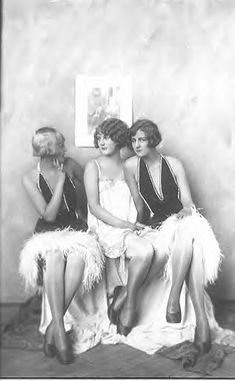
<point x="173" y="304"/>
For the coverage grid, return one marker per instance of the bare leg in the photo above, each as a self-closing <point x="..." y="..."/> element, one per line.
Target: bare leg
<point x="73" y="277"/>
<point x="55" y="290"/>
<point x="62" y="279"/>
<point x="140" y="253"/>
<point x="180" y="262"/>
<point x="195" y="282"/>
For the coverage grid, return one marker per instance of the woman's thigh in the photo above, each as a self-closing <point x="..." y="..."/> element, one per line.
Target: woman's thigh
<point x="138" y="247"/>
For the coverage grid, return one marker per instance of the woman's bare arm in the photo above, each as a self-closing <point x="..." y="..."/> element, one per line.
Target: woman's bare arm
<point x="185" y="194"/>
<point x="75" y="171"/>
<point x="129" y="173"/>
<point x="47" y="211"/>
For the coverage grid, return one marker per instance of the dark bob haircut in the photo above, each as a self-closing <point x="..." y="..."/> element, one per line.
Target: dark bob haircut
<point x="113" y="128"/>
<point x="149" y="128"/>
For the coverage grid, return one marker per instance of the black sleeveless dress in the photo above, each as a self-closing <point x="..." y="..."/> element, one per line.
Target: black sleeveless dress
<point x="164" y="203"/>
<point x="67" y="215"/>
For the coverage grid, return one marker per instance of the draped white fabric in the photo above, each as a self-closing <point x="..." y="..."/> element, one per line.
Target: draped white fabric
<point x="88" y="317"/>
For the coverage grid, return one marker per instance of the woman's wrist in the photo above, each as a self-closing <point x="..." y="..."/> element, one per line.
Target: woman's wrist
<point x="126" y="225"/>
<point x="190" y="207"/>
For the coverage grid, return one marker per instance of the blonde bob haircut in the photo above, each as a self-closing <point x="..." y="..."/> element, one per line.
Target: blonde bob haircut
<point x="45" y="140"/>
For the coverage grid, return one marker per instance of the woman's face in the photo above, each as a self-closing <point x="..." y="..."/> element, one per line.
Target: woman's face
<point x="106" y="145"/>
<point x="140" y="144"/>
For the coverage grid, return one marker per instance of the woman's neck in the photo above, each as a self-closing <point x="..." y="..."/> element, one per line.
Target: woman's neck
<point x="47" y="164"/>
<point x="152" y="156"/>
<point x="115" y="157"/>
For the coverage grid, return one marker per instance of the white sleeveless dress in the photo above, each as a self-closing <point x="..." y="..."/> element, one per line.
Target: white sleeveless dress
<point x="114" y="197"/>
<point x="152" y="330"/>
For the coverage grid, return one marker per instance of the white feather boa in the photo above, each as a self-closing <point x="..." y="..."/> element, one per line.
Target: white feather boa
<point x="194" y="230"/>
<point x="67" y="242"/>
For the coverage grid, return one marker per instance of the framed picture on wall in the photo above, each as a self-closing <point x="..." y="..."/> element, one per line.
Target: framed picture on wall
<point x="97" y="99"/>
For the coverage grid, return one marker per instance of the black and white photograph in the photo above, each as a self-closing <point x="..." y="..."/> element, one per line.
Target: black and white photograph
<point x="117" y="189"/>
<point x="100" y="98"/>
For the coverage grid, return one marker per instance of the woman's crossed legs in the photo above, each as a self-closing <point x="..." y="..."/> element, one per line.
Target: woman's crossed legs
<point x="62" y="279"/>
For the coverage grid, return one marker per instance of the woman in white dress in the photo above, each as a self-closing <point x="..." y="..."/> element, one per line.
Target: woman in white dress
<point x="112" y="216"/>
<point x="139" y="281"/>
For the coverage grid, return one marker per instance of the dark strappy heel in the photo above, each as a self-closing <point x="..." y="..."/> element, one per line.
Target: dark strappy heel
<point x="65" y="357"/>
<point x="48" y="348"/>
<point x="173" y="317"/>
<point x="124" y="329"/>
<point x="202" y="346"/>
<point x="112" y="313"/>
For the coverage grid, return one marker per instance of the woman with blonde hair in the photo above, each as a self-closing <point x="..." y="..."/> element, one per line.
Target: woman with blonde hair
<point x="61" y="256"/>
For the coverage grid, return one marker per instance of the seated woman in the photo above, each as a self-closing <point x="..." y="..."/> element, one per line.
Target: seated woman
<point x="183" y="240"/>
<point x="112" y="217"/>
<point x="135" y="280"/>
<point x="60" y="251"/>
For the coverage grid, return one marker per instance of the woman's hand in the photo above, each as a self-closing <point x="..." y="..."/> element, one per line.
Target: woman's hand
<point x="134" y="227"/>
<point x="61" y="177"/>
<point x="140" y="226"/>
<point x="186" y="211"/>
<point x="128" y="225"/>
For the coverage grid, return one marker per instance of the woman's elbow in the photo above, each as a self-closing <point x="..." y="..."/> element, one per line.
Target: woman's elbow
<point x="48" y="217"/>
<point x="139" y="207"/>
<point x="92" y="209"/>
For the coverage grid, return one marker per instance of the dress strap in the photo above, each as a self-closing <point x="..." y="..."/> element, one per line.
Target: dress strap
<point x="38" y="174"/>
<point x="98" y="167"/>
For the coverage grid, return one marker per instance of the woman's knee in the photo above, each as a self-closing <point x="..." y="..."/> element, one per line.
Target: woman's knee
<point x="144" y="251"/>
<point x="184" y="246"/>
<point x="55" y="259"/>
<point x="76" y="260"/>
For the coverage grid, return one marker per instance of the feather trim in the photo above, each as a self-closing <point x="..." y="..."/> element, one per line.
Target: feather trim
<point x="67" y="242"/>
<point x="191" y="230"/>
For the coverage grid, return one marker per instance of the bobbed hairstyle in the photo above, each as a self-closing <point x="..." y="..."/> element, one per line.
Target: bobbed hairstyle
<point x="150" y="129"/>
<point x="44" y="141"/>
<point x="115" y="129"/>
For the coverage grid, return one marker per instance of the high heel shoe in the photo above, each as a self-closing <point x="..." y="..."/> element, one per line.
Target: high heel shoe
<point x="65" y="356"/>
<point x="173" y="317"/>
<point x="202" y="346"/>
<point x="48" y="348"/>
<point x="112" y="313"/>
<point x="125" y="329"/>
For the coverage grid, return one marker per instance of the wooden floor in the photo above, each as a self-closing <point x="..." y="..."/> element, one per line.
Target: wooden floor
<point x="105" y="361"/>
<point x="112" y="361"/>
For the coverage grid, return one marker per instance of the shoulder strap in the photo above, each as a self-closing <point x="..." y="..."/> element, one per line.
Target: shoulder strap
<point x="170" y="169"/>
<point x="98" y="167"/>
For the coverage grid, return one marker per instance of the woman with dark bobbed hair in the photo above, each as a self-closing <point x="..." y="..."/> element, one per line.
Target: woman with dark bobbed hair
<point x="112" y="216"/>
<point x="185" y="246"/>
<point x="60" y="257"/>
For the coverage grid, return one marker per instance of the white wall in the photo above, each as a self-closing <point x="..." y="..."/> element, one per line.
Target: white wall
<point x="181" y="55"/>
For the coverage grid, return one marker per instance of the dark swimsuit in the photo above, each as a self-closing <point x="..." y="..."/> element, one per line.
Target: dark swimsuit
<point x="165" y="203"/>
<point x="66" y="217"/>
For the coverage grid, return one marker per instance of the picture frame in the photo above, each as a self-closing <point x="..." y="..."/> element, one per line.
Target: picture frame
<point x="99" y="98"/>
